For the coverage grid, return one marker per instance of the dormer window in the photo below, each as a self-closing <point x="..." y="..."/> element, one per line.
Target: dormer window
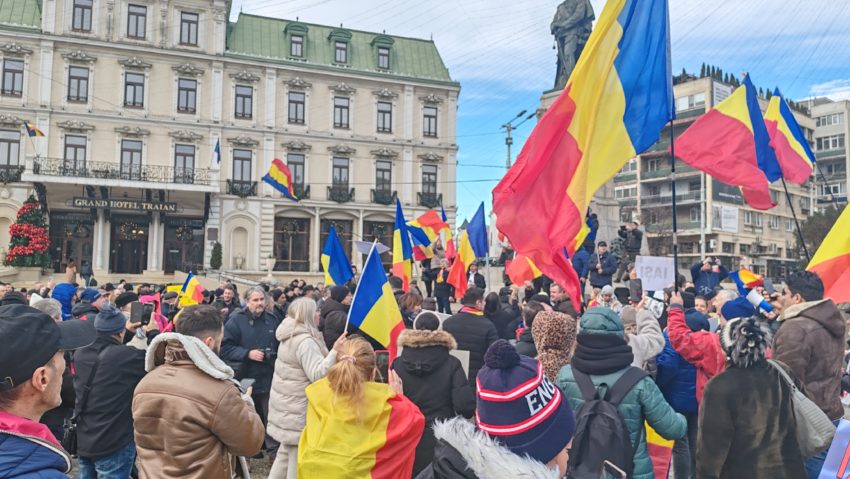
<point x="296" y="46"/>
<point x="384" y="58"/>
<point x="341" y="49"/>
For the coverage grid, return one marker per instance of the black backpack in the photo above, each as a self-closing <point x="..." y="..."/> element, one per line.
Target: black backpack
<point x="601" y="434"/>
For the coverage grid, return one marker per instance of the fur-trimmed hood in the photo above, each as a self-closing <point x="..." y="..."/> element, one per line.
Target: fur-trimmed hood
<point x="462" y="446"/>
<point x="823" y="312"/>
<point x="425" y="351"/>
<point x="412" y="338"/>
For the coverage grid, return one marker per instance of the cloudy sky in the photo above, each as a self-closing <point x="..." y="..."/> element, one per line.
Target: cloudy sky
<point x="502" y="53"/>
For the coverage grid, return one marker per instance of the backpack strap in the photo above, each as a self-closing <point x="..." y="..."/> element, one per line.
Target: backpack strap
<point x="585" y="385"/>
<point x="622" y="386"/>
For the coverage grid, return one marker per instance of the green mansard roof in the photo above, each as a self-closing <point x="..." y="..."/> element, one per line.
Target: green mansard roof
<point x="23" y="14"/>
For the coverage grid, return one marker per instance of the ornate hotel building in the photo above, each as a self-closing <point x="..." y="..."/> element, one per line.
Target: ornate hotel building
<point x="161" y="117"/>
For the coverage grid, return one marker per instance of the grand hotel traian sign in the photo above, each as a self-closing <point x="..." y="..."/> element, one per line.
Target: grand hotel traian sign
<point x="125" y="204"/>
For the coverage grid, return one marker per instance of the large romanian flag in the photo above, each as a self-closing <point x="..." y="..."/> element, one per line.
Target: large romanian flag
<point x="521" y="269"/>
<point x="730" y="143"/>
<point x="615" y="104"/>
<point x="374" y="309"/>
<point x="458" y="273"/>
<point x="375" y="438"/>
<point x="192" y="292"/>
<point x="788" y="142"/>
<point x="280" y="178"/>
<point x="402" y="251"/>
<point x="425" y="230"/>
<point x="334" y="261"/>
<point x="832" y="260"/>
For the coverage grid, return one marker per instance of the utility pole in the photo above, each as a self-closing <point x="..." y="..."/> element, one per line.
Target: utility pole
<point x="508" y="127"/>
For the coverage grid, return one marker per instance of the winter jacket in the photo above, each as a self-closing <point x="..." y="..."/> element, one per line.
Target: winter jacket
<point x="464" y="452"/>
<point x="811" y="343"/>
<point x="677" y="379"/>
<point x="84" y="310"/>
<point x="434" y="381"/>
<point x="700" y="348"/>
<point x="474" y="333"/>
<point x="581" y="261"/>
<point x="706" y="281"/>
<point x="55" y="418"/>
<point x="442" y="288"/>
<point x="643" y="403"/>
<point x="232" y="306"/>
<point x="86" y="270"/>
<point x="302" y="359"/>
<point x="106" y="425"/>
<point x="161" y="321"/>
<point x="28" y="450"/>
<point x="566" y="307"/>
<point x="64" y="293"/>
<point x="505" y="321"/>
<point x="344" y="440"/>
<point x="633" y="239"/>
<point x="747" y="427"/>
<point x="609" y="266"/>
<point x="190" y="417"/>
<point x="525" y="343"/>
<point x="243" y="333"/>
<point x="478" y="280"/>
<point x="648" y="342"/>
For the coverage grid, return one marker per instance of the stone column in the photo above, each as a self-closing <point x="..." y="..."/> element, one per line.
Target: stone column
<point x="315" y="236"/>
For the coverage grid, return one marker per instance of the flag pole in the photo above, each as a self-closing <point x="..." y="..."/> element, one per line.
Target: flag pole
<point x="796" y="222"/>
<point x="348" y="316"/>
<point x="675" y="223"/>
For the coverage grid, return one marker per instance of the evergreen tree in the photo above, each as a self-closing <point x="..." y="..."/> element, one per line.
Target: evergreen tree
<point x="768" y="95"/>
<point x="726" y="78"/>
<point x="702" y="70"/>
<point x="719" y="74"/>
<point x="29" y="241"/>
<point x="215" y="256"/>
<point x="713" y="71"/>
<point x="761" y="92"/>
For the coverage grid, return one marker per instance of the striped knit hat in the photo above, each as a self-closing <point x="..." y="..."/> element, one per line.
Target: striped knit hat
<point x="519" y="407"/>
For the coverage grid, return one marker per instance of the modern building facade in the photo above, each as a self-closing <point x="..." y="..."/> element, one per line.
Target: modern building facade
<point x="831" y="132"/>
<point x="712" y="218"/>
<point x="161" y="118"/>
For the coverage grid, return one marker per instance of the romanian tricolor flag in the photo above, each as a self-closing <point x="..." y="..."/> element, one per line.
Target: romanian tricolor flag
<point x="32" y="131"/>
<point x="522" y="269"/>
<point x="374" y="309"/>
<point x="458" y="273"/>
<point x="746" y="280"/>
<point x="280" y="178"/>
<point x="730" y="143"/>
<point x="425" y="230"/>
<point x="614" y="106"/>
<point x="334" y="261"/>
<point x="832" y="260"/>
<point x="660" y="451"/>
<point x="192" y="292"/>
<point x="450" y="244"/>
<point x="402" y="251"/>
<point x="795" y="157"/>
<point x="375" y="438"/>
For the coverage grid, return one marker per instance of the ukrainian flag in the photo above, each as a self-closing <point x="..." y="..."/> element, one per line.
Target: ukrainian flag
<point x="374" y="309"/>
<point x="334" y="261"/>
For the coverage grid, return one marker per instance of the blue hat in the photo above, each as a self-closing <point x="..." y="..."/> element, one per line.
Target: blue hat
<point x="697" y="321"/>
<point x="90" y="295"/>
<point x="519" y="407"/>
<point x="737" y="308"/>
<point x="110" y="320"/>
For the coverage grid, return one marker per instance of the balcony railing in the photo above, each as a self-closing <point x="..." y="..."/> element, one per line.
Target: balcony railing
<point x="384" y="197"/>
<point x="667" y="172"/>
<point x="115" y="171"/>
<point x="10" y="173"/>
<point x="340" y="194"/>
<point x="668" y="199"/>
<point x="430" y="200"/>
<point x="621" y="177"/>
<point x="837" y="152"/>
<point x="302" y="192"/>
<point x="242" y="189"/>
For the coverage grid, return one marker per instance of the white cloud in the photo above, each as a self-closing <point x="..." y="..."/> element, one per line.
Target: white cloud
<point x="836" y="89"/>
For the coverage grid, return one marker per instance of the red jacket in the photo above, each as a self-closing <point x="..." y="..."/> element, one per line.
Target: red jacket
<point x="700" y="348"/>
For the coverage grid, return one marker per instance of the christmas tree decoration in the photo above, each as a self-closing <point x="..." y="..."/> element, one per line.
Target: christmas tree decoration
<point x="29" y="242"/>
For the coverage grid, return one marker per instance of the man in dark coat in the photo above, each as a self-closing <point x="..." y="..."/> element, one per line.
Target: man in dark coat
<point x="811" y="342"/>
<point x="442" y="289"/>
<point x="707" y="276"/>
<point x="633" y="239"/>
<point x="228" y="303"/>
<point x="472" y="331"/>
<point x="249" y="341"/>
<point x="602" y="266"/>
<point x="333" y="314"/>
<point x="561" y="301"/>
<point x="475" y="278"/>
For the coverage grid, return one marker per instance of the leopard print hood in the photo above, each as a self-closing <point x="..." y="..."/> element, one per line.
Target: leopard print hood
<point x="555" y="338"/>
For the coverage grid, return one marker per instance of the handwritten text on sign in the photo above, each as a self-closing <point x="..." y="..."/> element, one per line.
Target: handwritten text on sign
<point x="655" y="272"/>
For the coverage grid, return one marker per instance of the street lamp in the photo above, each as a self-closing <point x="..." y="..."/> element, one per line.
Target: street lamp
<point x="508" y="127"/>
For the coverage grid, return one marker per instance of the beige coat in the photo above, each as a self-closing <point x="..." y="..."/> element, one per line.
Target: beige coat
<point x="71" y="274"/>
<point x="189" y="416"/>
<point x="302" y="359"/>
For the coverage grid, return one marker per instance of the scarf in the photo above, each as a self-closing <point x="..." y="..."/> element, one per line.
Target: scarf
<point x="598" y="354"/>
<point x="473" y="311"/>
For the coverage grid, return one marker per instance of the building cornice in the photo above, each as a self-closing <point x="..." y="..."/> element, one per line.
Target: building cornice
<point x="296" y="145"/>
<point x="135" y="62"/>
<point x="342" y="149"/>
<point x="79" y="56"/>
<point x="343" y="88"/>
<point x="15" y="49"/>
<point x="243" y="140"/>
<point x="11" y="121"/>
<point x="385" y="93"/>
<point x="245" y="76"/>
<point x="188" y="69"/>
<point x="431" y="99"/>
<point x="431" y="157"/>
<point x="384" y="153"/>
<point x="298" y="83"/>
<point x="75" y="125"/>
<point x="132" y="131"/>
<point x="186" y="135"/>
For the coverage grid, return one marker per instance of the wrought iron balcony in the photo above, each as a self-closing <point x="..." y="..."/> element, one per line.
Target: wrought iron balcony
<point x="242" y="189"/>
<point x="117" y="171"/>
<point x="10" y="173"/>
<point x="430" y="200"/>
<point x="384" y="197"/>
<point x="340" y="194"/>
<point x="302" y="192"/>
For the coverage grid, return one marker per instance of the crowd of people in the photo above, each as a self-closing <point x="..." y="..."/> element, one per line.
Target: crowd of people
<point x="518" y="379"/>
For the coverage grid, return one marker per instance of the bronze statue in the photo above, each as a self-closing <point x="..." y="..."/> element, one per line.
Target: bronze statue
<point x="571" y="27"/>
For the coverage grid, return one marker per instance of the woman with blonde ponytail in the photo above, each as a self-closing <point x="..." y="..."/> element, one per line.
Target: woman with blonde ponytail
<point x="357" y="427"/>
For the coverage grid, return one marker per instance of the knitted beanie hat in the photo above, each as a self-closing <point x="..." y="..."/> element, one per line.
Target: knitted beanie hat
<point x="519" y="407"/>
<point x="110" y="320"/>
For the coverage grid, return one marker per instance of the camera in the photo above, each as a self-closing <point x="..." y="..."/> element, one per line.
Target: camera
<point x="269" y="356"/>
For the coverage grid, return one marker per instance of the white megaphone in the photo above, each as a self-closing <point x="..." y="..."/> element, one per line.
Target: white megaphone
<point x="758" y="301"/>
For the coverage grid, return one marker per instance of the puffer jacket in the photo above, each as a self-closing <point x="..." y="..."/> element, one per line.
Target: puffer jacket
<point x="474" y="333"/>
<point x="191" y="419"/>
<point x="302" y="359"/>
<point x="700" y="348"/>
<point x="811" y="343"/>
<point x="677" y="379"/>
<point x="648" y="342"/>
<point x="28" y="450"/>
<point x="64" y="293"/>
<point x="434" y="381"/>
<point x="464" y="452"/>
